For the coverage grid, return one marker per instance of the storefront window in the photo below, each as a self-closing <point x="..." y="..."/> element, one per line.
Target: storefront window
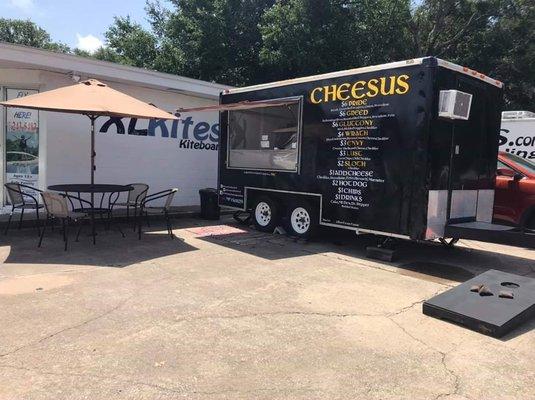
<point x="22" y="141"/>
<point x="265" y="138"/>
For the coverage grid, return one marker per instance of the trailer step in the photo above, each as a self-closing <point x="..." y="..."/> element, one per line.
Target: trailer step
<point x="494" y="233"/>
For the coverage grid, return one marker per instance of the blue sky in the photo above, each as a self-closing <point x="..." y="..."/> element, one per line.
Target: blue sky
<point x="78" y="23"/>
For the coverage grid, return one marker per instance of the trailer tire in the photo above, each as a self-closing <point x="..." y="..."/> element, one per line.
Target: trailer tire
<point x="302" y="219"/>
<point x="265" y="214"/>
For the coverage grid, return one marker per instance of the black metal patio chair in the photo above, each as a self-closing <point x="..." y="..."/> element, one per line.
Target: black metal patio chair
<point x="57" y="208"/>
<point x="134" y="199"/>
<point x="145" y="211"/>
<point x="22" y="200"/>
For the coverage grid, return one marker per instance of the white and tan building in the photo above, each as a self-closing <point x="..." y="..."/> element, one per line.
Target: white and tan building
<point x="46" y="148"/>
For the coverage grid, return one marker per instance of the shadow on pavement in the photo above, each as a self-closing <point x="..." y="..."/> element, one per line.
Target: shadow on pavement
<point x="423" y="260"/>
<point x="111" y="249"/>
<point x="426" y="260"/>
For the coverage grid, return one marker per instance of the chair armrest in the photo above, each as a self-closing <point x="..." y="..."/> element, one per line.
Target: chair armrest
<point x="30" y="187"/>
<point x="70" y="197"/>
<point x="24" y="194"/>
<point x="157" y="195"/>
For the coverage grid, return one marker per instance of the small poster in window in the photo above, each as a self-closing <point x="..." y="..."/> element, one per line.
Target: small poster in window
<point x="22" y="142"/>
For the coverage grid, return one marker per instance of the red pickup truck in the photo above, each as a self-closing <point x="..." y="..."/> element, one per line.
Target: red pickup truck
<point x="514" y="201"/>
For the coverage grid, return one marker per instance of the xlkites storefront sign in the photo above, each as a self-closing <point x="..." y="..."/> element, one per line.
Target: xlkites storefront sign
<point x="189" y="133"/>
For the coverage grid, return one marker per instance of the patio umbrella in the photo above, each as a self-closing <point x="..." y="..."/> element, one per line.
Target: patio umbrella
<point x="93" y="99"/>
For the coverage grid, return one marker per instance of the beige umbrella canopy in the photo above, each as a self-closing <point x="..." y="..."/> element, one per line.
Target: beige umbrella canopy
<point x="91" y="98"/>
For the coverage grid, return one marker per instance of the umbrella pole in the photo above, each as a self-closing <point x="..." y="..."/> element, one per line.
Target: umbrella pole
<point x="93" y="118"/>
<point x="93" y="154"/>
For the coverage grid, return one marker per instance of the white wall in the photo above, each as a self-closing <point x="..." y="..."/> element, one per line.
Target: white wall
<point x="157" y="161"/>
<point x="517" y="136"/>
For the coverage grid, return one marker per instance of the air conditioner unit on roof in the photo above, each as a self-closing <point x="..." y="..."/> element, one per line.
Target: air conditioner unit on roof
<point x="454" y="104"/>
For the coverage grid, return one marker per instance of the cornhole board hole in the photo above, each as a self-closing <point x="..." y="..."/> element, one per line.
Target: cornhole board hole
<point x="491" y="315"/>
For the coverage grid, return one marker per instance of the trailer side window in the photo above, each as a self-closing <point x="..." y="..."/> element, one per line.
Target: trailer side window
<point x="265" y="138"/>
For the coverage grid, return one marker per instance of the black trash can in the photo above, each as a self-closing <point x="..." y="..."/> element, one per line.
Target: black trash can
<point x="209" y="203"/>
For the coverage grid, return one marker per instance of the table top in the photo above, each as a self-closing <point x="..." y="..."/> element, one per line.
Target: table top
<point x="89" y="188"/>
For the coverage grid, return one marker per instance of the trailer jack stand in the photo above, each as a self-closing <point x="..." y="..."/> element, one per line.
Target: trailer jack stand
<point x="242" y="217"/>
<point x="384" y="251"/>
<point x="448" y="243"/>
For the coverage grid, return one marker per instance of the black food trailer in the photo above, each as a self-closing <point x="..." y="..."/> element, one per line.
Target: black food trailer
<point x="406" y="149"/>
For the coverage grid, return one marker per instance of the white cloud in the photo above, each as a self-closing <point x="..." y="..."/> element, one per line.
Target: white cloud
<point x="88" y="43"/>
<point x="23" y="5"/>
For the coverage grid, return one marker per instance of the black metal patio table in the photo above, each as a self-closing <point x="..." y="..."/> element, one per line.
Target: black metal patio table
<point x="110" y="191"/>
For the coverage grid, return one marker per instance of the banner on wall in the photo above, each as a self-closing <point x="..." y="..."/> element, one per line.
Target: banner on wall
<point x="22" y="141"/>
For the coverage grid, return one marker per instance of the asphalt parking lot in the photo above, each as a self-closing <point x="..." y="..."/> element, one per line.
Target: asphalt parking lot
<point x="225" y="312"/>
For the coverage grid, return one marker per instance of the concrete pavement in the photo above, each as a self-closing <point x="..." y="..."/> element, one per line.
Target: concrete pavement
<point x="229" y="313"/>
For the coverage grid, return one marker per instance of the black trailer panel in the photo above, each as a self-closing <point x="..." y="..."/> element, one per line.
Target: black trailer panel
<point x="369" y="147"/>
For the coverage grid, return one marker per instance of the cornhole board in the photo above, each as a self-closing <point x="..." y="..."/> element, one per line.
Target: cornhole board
<point x="490" y="315"/>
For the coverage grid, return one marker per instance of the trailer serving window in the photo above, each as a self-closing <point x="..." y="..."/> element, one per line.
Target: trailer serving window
<point x="265" y="138"/>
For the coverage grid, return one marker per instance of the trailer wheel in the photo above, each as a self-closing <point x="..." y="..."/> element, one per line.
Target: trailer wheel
<point x="265" y="214"/>
<point x="302" y="219"/>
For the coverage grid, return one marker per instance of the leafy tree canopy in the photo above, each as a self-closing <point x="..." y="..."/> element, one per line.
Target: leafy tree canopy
<point x="241" y="42"/>
<point x="27" y="33"/>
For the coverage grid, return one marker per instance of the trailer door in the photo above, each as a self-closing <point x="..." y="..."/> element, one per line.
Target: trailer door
<point x="468" y="167"/>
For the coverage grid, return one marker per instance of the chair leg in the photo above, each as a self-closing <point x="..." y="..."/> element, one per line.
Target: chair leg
<point x="21" y="215"/>
<point x="65" y="222"/>
<point x="105" y="221"/>
<point x="43" y="232"/>
<point x="120" y="230"/>
<point x="127" y="214"/>
<point x="79" y="229"/>
<point x="139" y="222"/>
<point x="38" y="222"/>
<point x="169" y="227"/>
<point x="108" y="220"/>
<point x="93" y="233"/>
<point x="147" y="219"/>
<point x="9" y="221"/>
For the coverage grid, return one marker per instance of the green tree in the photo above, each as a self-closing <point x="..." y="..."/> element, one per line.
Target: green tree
<point x="496" y="37"/>
<point x="129" y="43"/>
<point x="216" y="40"/>
<point x="27" y="33"/>
<point x="311" y="36"/>
<point x="241" y="42"/>
<point x="511" y="44"/>
<point x="439" y="27"/>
